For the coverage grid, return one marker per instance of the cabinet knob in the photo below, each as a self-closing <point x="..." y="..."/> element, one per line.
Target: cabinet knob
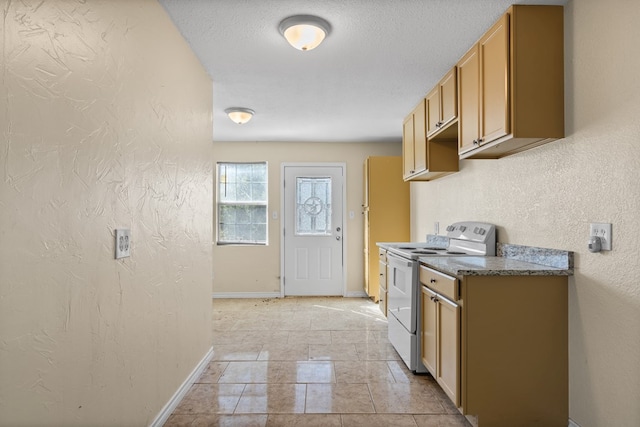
<point x="475" y="142"/>
<point x="480" y="140"/>
<point x="432" y="280"/>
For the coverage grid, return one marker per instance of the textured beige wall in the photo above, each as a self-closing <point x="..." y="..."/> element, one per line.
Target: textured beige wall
<point x="548" y="196"/>
<point x="105" y="117"/>
<point x="231" y="274"/>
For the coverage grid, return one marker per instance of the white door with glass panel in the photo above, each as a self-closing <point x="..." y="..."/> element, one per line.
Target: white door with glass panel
<point x="313" y="230"/>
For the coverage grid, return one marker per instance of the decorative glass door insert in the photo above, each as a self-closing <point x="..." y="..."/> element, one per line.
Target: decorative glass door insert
<point x="313" y="206"/>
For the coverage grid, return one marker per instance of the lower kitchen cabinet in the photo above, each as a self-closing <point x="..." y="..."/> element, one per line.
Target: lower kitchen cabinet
<point x="382" y="303"/>
<point x="441" y="341"/>
<point x="448" y="368"/>
<point x="498" y="346"/>
<point x="429" y="341"/>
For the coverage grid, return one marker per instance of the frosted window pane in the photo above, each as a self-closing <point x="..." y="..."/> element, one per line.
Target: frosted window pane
<point x="313" y="206"/>
<point x="242" y="182"/>
<point x="259" y="191"/>
<point x="243" y="192"/>
<point x="243" y="223"/>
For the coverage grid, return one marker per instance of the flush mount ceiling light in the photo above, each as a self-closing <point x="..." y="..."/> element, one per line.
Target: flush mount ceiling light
<point x="239" y="115"/>
<point x="304" y="32"/>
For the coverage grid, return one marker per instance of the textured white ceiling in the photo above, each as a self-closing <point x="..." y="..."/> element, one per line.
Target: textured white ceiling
<point x="379" y="60"/>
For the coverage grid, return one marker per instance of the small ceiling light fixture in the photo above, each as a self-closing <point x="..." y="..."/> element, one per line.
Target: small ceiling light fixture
<point x="304" y="32"/>
<point x="240" y="115"/>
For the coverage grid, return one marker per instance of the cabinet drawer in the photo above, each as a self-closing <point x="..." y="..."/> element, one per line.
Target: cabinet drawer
<point x="382" y="254"/>
<point x="383" y="274"/>
<point x="441" y="283"/>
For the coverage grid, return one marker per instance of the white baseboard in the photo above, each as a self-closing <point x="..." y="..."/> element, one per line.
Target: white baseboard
<point x="245" y="295"/>
<point x="177" y="397"/>
<point x="356" y="294"/>
<point x="573" y="423"/>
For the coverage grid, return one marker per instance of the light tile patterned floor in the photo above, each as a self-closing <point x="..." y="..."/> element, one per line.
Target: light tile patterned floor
<point x="316" y="361"/>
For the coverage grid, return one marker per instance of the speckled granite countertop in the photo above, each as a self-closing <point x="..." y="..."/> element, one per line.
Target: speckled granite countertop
<point x="512" y="260"/>
<point x="490" y="266"/>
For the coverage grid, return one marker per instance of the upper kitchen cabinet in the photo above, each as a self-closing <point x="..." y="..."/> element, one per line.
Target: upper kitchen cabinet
<point x="414" y="142"/>
<point x="442" y="109"/>
<point x="511" y="84"/>
<point x="425" y="159"/>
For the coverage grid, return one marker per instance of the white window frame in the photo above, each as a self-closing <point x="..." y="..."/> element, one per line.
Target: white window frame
<point x="220" y="203"/>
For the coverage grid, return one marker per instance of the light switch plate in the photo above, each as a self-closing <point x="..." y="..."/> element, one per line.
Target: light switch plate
<point x="123" y="243"/>
<point x="603" y="231"/>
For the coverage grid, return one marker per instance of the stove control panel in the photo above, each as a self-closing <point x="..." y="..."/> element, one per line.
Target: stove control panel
<point x="472" y="231"/>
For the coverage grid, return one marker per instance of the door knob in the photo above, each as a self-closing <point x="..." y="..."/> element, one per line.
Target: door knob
<point x="337" y="237"/>
<point x="338" y="229"/>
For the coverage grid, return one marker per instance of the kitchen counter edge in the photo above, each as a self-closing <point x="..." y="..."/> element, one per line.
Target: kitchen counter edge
<point x="512" y="260"/>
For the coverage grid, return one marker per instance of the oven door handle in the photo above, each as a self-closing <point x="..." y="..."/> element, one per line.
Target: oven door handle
<point x="394" y="259"/>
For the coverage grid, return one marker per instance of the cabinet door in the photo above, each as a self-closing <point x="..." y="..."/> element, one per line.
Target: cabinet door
<point x="494" y="77"/>
<point x="383" y="287"/>
<point x="407" y="146"/>
<point x="432" y="109"/>
<point x="382" y="275"/>
<point x="366" y="225"/>
<point x="448" y="97"/>
<point x="428" y="337"/>
<point x="420" y="160"/>
<point x="469" y="99"/>
<point x="448" y="345"/>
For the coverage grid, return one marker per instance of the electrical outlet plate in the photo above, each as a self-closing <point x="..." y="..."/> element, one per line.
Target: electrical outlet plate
<point x="123" y="243"/>
<point x="603" y="231"/>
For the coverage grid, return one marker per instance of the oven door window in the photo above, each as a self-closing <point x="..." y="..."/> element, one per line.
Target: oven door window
<point x="401" y="280"/>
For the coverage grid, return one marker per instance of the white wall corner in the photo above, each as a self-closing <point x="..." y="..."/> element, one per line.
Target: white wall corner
<point x="177" y="397"/>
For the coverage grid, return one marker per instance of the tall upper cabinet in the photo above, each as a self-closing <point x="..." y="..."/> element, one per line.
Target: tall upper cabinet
<point x="511" y="84"/>
<point x="385" y="211"/>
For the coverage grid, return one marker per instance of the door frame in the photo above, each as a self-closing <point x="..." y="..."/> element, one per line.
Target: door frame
<point x="342" y="165"/>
